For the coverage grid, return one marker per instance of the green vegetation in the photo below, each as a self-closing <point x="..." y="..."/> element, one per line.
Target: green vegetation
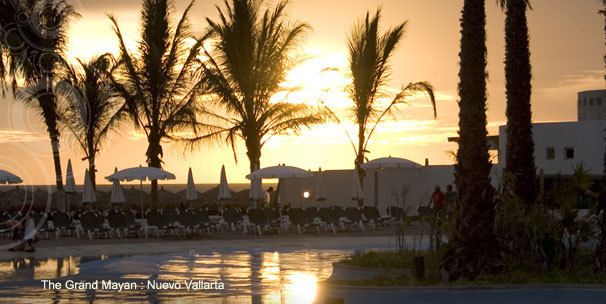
<point x="514" y="274"/>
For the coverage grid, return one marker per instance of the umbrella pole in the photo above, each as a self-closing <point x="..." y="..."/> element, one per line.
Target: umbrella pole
<point x="142" y="203"/>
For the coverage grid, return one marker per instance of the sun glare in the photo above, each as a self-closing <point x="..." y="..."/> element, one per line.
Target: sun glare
<point x="301" y="288"/>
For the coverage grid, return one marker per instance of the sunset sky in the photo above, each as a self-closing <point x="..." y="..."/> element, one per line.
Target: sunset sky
<point x="567" y="43"/>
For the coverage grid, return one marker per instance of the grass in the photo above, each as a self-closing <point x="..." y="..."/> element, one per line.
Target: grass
<point x="516" y="274"/>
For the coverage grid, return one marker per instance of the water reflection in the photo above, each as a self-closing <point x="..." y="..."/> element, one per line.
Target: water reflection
<point x="249" y="277"/>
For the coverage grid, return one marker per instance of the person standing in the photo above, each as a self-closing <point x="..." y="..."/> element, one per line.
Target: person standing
<point x="267" y="197"/>
<point x="29" y="233"/>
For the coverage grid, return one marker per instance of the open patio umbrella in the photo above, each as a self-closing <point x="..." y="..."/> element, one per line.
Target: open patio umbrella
<point x="117" y="192"/>
<point x="224" y="192"/>
<point x="9" y="178"/>
<point x="357" y="194"/>
<point x="141" y="174"/>
<point x="88" y="194"/>
<point x="390" y="162"/>
<point x="320" y="187"/>
<point x="281" y="171"/>
<point x="190" y="193"/>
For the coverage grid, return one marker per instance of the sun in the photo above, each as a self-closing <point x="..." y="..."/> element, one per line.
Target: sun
<point x="320" y="78"/>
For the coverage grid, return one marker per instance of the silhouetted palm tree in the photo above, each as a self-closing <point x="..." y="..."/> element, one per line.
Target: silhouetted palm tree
<point x="157" y="80"/>
<point x="91" y="107"/>
<point x="252" y="52"/>
<point x="36" y="62"/>
<point x="601" y="248"/>
<point x="519" y="164"/>
<point x="369" y="62"/>
<point x="474" y="246"/>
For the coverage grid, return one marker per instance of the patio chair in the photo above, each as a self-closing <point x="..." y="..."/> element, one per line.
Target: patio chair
<point x="232" y="218"/>
<point x="355" y="217"/>
<point x="202" y="220"/>
<point x="93" y="223"/>
<point x="187" y="220"/>
<point x="272" y="215"/>
<point x="131" y="224"/>
<point x="258" y="219"/>
<point x="298" y="219"/>
<point x="371" y="216"/>
<point x="330" y="216"/>
<point x="155" y="221"/>
<point x="117" y="222"/>
<point x="62" y="222"/>
<point x="312" y="215"/>
<point x="396" y="213"/>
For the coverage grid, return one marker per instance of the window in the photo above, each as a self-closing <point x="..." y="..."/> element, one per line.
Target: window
<point x="569" y="153"/>
<point x="591" y="101"/>
<point x="599" y="101"/>
<point x="584" y="102"/>
<point x="550" y="153"/>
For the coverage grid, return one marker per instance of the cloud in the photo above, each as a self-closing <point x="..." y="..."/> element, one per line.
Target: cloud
<point x="15" y="136"/>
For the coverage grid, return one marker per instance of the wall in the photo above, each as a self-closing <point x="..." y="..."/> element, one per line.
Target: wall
<point x="418" y="182"/>
<point x="586" y="137"/>
<point x="591" y="105"/>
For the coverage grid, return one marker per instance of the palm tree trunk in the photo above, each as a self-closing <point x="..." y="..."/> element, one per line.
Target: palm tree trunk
<point x="474" y="248"/>
<point x="253" y="151"/>
<point x="154" y="152"/>
<point x="91" y="162"/>
<point x="520" y="146"/>
<point x="360" y="157"/>
<point x="47" y="103"/>
<point x="92" y="171"/>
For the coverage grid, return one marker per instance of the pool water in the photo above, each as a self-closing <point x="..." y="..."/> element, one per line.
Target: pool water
<point x="257" y="277"/>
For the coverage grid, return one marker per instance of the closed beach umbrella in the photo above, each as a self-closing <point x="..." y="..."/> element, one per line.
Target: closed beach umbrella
<point x="88" y="195"/>
<point x="357" y="194"/>
<point x="190" y="193"/>
<point x="70" y="181"/>
<point x="281" y="171"/>
<point x="256" y="190"/>
<point x="117" y="192"/>
<point x="224" y="192"/>
<point x="9" y="178"/>
<point x="320" y="187"/>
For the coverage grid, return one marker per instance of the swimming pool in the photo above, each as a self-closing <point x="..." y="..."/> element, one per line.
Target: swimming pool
<point x="262" y="274"/>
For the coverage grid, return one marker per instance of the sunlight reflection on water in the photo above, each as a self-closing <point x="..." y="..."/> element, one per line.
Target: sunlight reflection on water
<point x="257" y="277"/>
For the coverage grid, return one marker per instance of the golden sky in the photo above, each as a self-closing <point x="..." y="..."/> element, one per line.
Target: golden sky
<point x="566" y="45"/>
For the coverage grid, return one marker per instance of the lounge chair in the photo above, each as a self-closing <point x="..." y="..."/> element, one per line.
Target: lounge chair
<point x="232" y="218"/>
<point x="330" y="216"/>
<point x="371" y="216"/>
<point x="355" y="217"/>
<point x="202" y="220"/>
<point x="93" y="223"/>
<point x="62" y="222"/>
<point x="117" y="222"/>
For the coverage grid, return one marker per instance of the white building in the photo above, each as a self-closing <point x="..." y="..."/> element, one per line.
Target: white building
<point x="559" y="146"/>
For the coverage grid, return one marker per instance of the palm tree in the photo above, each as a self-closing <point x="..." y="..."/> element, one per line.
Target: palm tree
<point x="91" y="107"/>
<point x="252" y="52"/>
<point x="369" y="62"/>
<point x="156" y="81"/>
<point x="474" y="246"/>
<point x="601" y="248"/>
<point x="43" y="43"/>
<point x="519" y="164"/>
